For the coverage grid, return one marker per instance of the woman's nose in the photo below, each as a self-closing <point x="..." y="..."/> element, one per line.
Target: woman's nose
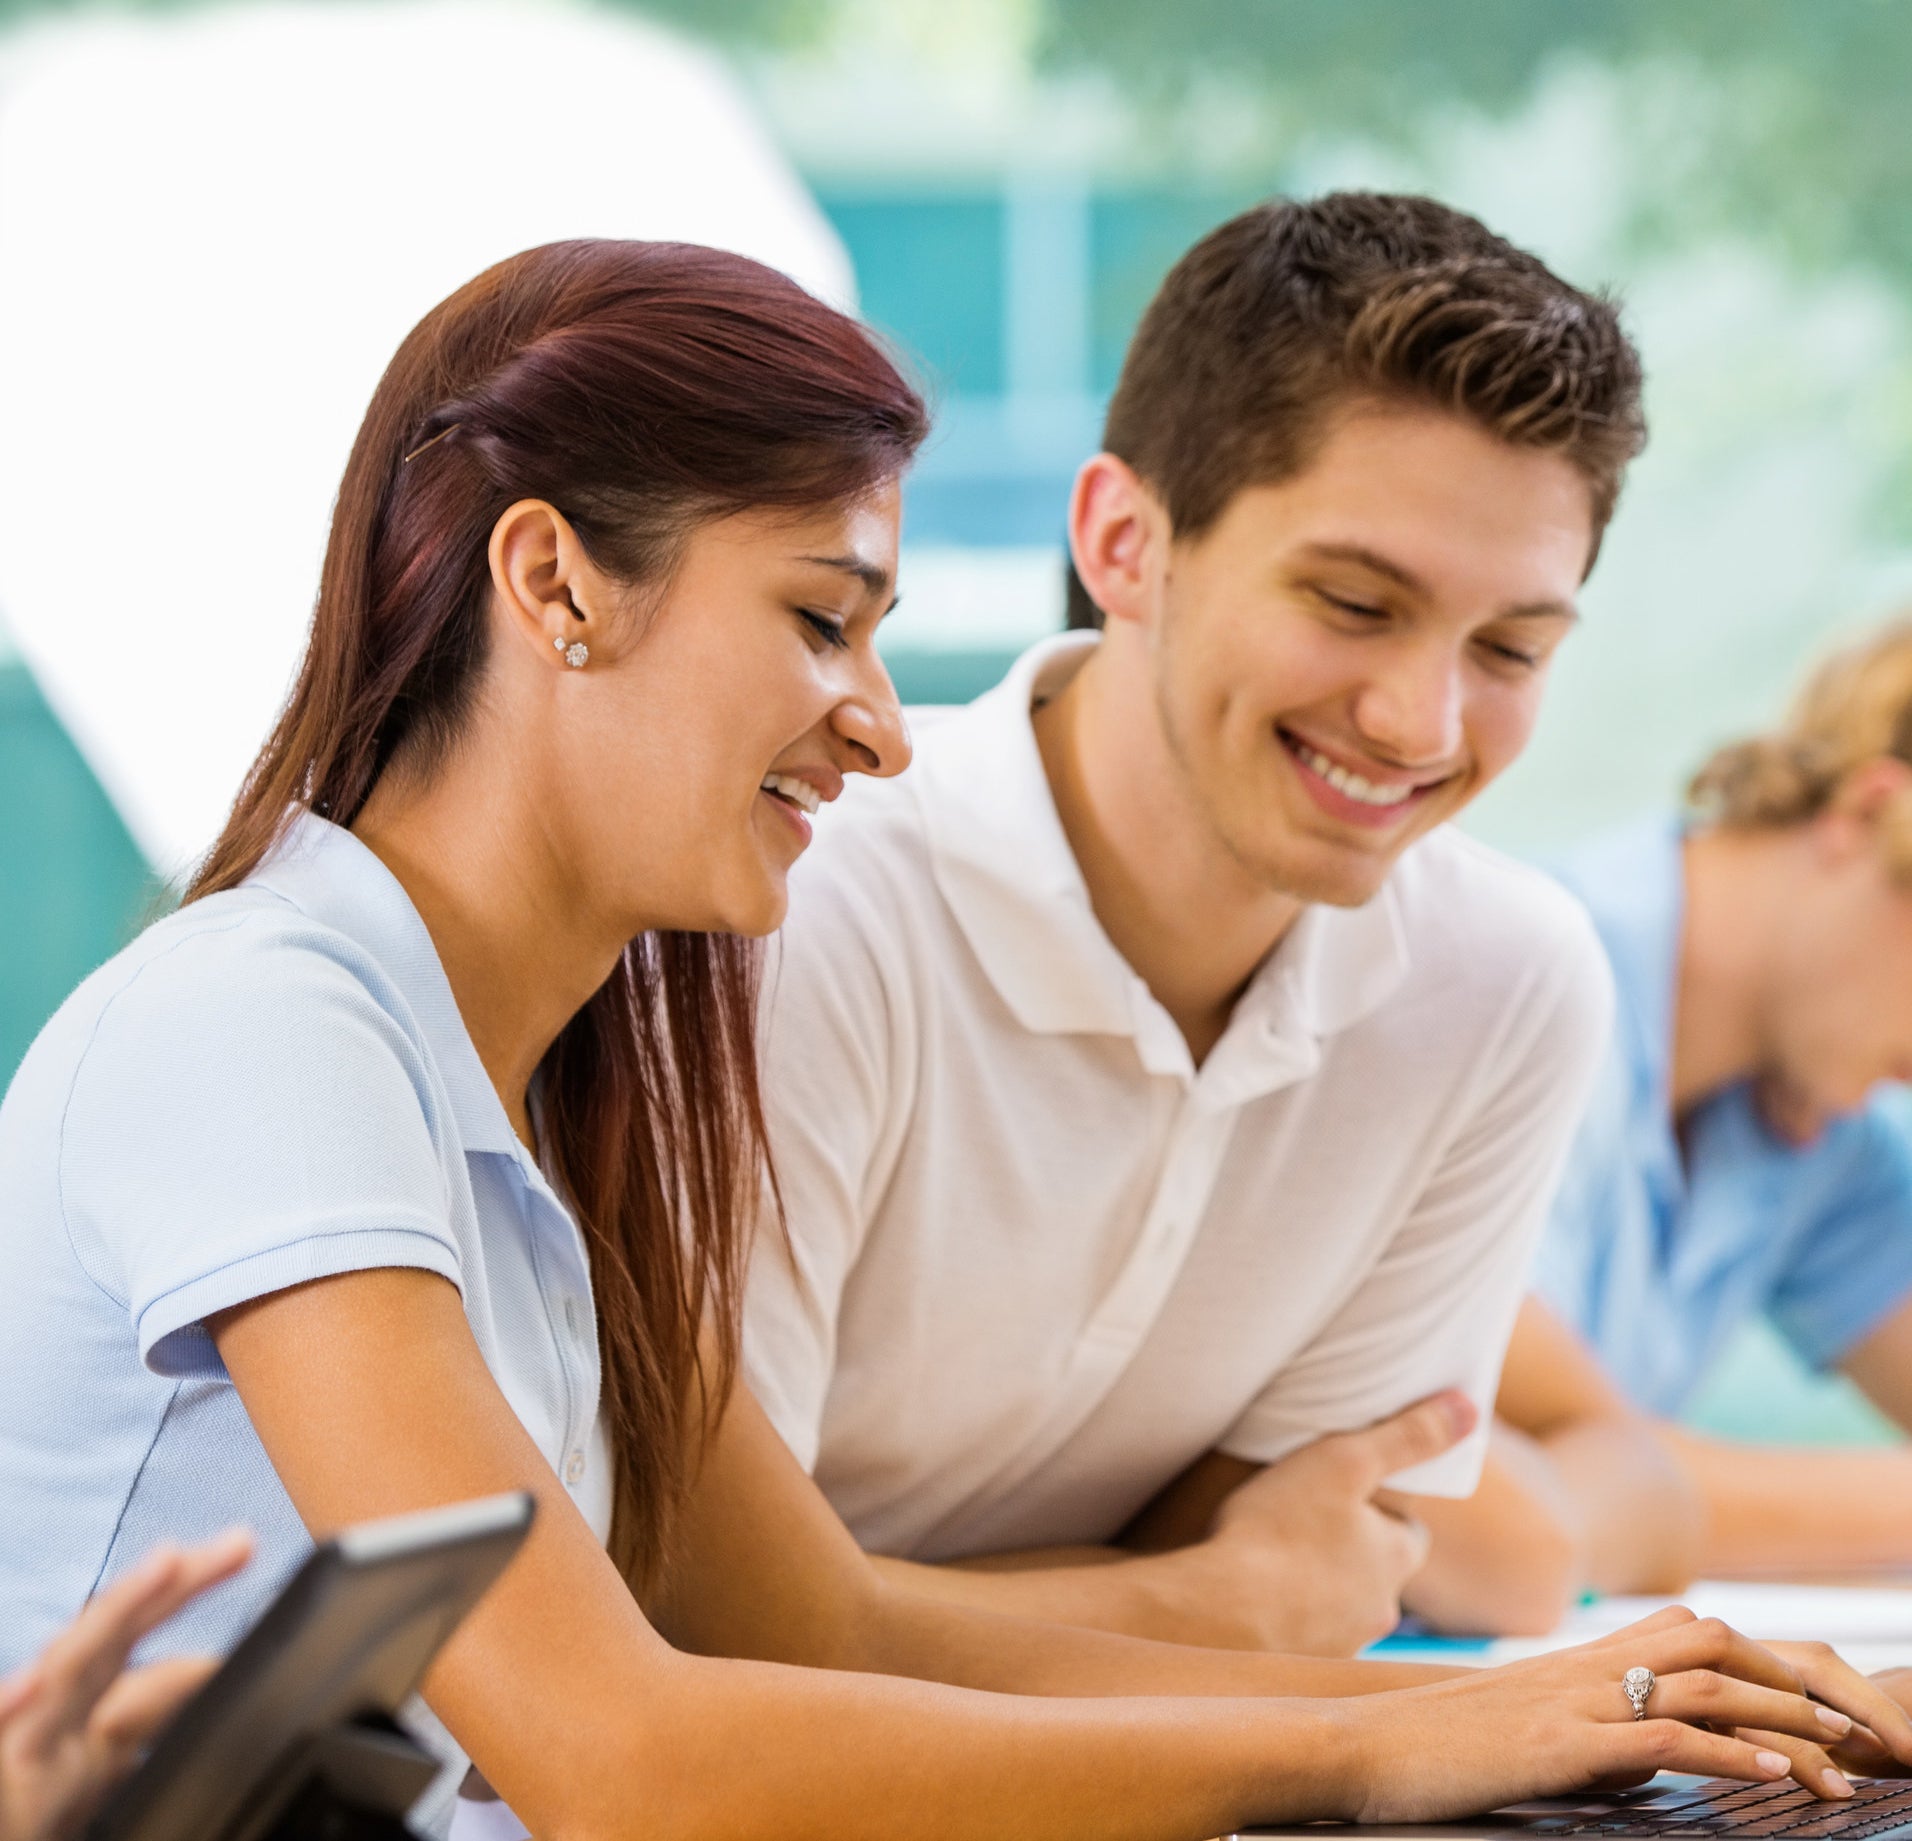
<point x="871" y="720"/>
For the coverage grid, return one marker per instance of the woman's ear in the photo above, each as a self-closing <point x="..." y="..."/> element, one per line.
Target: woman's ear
<point x="1872" y="804"/>
<point x="1118" y="531"/>
<point x="543" y="585"/>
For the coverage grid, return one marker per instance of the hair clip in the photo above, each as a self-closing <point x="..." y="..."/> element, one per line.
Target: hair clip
<point x="433" y="442"/>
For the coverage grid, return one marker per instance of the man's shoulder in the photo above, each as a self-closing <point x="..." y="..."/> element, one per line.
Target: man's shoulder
<point x="1471" y="907"/>
<point x="872" y="856"/>
<point x="869" y="859"/>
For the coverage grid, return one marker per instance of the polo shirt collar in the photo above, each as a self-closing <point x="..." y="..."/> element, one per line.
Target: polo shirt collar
<point x="1003" y="863"/>
<point x="331" y="877"/>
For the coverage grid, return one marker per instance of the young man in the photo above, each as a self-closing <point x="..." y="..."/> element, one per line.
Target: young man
<point x="1157" y="1086"/>
<point x="1740" y="1157"/>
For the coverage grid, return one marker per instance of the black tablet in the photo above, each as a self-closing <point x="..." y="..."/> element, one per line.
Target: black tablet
<point x="299" y="1717"/>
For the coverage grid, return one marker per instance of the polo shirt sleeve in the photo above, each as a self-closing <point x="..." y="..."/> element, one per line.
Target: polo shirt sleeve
<point x="1437" y="1307"/>
<point x="247" y="1115"/>
<point x="1851" y="1261"/>
<point x="1594" y="1200"/>
<point x="837" y="1092"/>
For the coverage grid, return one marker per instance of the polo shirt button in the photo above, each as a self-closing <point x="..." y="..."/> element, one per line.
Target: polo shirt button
<point x="574" y="1467"/>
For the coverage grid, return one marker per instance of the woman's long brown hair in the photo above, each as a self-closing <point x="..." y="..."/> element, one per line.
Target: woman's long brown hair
<point x="642" y="388"/>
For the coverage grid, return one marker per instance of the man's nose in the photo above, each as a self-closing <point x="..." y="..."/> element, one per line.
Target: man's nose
<point x="1410" y="710"/>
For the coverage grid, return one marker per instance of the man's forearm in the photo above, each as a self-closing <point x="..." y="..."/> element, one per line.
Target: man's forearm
<point x="1773" y="1508"/>
<point x="1597" y="1503"/>
<point x="1177" y="1597"/>
<point x="1506" y="1561"/>
<point x="1641" y="1518"/>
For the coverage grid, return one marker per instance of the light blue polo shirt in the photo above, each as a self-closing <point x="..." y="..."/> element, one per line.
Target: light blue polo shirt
<point x="270" y="1085"/>
<point x="1658" y="1258"/>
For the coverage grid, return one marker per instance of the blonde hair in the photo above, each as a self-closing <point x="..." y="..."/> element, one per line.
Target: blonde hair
<point x="1856" y="707"/>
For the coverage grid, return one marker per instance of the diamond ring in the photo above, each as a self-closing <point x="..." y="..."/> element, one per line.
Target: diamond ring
<point x="1638" y="1684"/>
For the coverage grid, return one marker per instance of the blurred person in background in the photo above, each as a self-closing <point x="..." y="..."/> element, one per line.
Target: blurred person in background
<point x="414" y="1157"/>
<point x="1741" y="1154"/>
<point x="1163" y="1094"/>
<point x="73" y="1720"/>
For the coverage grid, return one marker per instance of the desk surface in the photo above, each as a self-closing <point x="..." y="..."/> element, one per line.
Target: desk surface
<point x="1868" y="1619"/>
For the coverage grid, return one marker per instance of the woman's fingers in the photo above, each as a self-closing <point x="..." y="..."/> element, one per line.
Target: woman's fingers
<point x="17" y="1689"/>
<point x="77" y="1667"/>
<point x="1672" y="1745"/>
<point x="1705" y="1642"/>
<point x="1810" y="1668"/>
<point x="1863" y="1754"/>
<point x="192" y="1571"/>
<point x="1671" y="1618"/>
<point x="1829" y="1677"/>
<point x="1703" y="1696"/>
<point x="142" y="1700"/>
<point x="1811" y="1766"/>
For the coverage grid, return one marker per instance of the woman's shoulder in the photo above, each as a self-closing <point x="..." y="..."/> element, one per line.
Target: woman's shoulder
<point x="240" y="969"/>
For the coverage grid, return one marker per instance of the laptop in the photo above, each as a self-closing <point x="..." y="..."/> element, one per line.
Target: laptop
<point x="1682" y="1808"/>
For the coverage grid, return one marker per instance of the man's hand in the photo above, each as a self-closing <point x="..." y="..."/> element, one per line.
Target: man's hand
<point x="72" y="1722"/>
<point x="1307" y="1555"/>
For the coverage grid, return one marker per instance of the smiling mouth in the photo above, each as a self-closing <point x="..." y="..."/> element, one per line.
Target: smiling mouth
<point x="793" y="792"/>
<point x="1377" y="797"/>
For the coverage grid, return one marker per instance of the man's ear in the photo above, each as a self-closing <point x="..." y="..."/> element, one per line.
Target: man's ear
<point x="542" y="583"/>
<point x="1118" y="537"/>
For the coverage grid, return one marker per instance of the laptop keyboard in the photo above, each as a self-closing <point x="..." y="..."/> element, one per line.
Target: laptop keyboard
<point x="1727" y="1808"/>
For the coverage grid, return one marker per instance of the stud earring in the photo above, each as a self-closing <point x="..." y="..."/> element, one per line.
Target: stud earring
<point x="576" y="653"/>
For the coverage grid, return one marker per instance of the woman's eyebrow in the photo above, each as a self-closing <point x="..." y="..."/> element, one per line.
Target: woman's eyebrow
<point x="874" y="577"/>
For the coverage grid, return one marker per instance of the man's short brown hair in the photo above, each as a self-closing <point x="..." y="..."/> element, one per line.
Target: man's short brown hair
<point x="1290" y="311"/>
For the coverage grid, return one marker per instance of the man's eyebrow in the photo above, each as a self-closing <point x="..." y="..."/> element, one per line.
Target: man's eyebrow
<point x="874" y="577"/>
<point x="1372" y="560"/>
<point x="1384" y="566"/>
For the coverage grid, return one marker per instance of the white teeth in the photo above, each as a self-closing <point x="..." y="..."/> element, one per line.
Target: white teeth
<point x="798" y="792"/>
<point x="1353" y="785"/>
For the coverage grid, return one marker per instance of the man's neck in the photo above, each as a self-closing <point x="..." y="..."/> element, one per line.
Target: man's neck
<point x="1185" y="915"/>
<point x="1731" y="880"/>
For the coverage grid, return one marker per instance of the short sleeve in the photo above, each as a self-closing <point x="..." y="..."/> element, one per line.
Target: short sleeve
<point x="1438" y="1307"/>
<point x="248" y="1114"/>
<point x="835" y="1083"/>
<point x="1596" y="1192"/>
<point x="1851" y="1264"/>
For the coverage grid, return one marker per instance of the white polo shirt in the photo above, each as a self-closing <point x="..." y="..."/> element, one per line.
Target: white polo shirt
<point x="1038" y="1262"/>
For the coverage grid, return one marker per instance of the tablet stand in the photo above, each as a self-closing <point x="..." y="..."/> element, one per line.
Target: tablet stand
<point x="355" y="1784"/>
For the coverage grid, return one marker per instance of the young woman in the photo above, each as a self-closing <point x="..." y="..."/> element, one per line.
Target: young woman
<point x="407" y="1161"/>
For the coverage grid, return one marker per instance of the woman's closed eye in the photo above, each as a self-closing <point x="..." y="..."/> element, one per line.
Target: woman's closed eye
<point x="827" y="629"/>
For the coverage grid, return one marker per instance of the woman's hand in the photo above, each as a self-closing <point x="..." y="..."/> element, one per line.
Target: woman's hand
<point x="73" y="1722"/>
<point x="1722" y="1706"/>
<point x="1863" y="1752"/>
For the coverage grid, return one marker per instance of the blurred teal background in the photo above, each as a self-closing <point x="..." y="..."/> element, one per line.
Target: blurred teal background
<point x="1012" y="177"/>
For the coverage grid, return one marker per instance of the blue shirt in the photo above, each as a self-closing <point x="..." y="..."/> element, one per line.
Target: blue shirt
<point x="1656" y="1258"/>
<point x="269" y="1086"/>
